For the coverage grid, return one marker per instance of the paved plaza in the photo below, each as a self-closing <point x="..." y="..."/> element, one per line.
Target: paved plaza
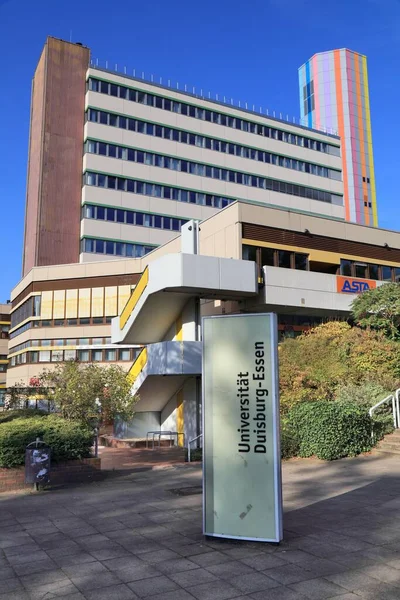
<point x="138" y="535"/>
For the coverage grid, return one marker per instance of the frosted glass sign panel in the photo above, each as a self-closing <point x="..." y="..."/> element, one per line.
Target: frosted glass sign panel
<point x="242" y="467"/>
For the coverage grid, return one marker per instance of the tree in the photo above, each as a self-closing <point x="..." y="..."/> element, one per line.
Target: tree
<point x="85" y="392"/>
<point x="317" y="364"/>
<point x="379" y="309"/>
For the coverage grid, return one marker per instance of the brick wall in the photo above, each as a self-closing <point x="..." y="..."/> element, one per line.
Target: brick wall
<point x="73" y="471"/>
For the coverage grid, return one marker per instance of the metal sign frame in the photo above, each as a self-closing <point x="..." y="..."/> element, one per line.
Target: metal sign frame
<point x="274" y="399"/>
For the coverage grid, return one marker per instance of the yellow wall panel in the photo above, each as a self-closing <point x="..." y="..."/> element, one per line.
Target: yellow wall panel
<point x="47" y="305"/>
<point x="98" y="302"/>
<point x="124" y="293"/>
<point x="59" y="304"/>
<point x="84" y="303"/>
<point x="111" y="298"/>
<point x="71" y="309"/>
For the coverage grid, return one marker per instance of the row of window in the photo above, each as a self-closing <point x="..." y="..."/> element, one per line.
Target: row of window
<point x="352" y="268"/>
<point x="98" y="341"/>
<point x="98" y="246"/>
<point x="152" y="159"/>
<point x="61" y="323"/>
<point x="172" y="193"/>
<point x="197" y="112"/>
<point x="297" y="260"/>
<point x="29" y="308"/>
<point x="132" y="217"/>
<point x="276" y="258"/>
<point x="47" y="356"/>
<point x="201" y="141"/>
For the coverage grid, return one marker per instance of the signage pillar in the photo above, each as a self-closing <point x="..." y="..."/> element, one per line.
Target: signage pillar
<point x="242" y="489"/>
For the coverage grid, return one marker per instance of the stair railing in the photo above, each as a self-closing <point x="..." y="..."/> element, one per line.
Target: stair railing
<point x="191" y="441"/>
<point x="394" y="399"/>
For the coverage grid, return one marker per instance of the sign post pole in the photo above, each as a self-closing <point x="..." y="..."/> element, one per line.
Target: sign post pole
<point x="242" y="489"/>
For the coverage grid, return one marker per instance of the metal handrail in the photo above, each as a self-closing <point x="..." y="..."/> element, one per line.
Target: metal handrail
<point x="395" y="407"/>
<point x="194" y="440"/>
<point x="160" y="433"/>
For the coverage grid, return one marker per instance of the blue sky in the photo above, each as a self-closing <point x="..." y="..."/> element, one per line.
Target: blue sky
<point x="249" y="51"/>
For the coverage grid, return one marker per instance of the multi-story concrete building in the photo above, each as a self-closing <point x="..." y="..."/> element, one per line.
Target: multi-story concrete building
<point x="134" y="163"/>
<point x="137" y="160"/>
<point x="4" y="335"/>
<point x="334" y="95"/>
<point x="252" y="258"/>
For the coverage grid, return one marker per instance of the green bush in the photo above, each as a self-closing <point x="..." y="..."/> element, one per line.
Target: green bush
<point x="331" y="430"/>
<point x="27" y="413"/>
<point x="68" y="440"/>
<point x="289" y="439"/>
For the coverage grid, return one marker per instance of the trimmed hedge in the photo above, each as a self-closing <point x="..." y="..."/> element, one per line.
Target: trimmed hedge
<point x="27" y="413"/>
<point x="68" y="440"/>
<point x="331" y="430"/>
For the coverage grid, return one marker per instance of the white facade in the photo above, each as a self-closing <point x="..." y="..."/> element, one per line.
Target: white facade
<point x="113" y="149"/>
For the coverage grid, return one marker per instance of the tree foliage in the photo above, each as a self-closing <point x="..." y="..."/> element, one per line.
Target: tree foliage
<point x="84" y="392"/>
<point x="379" y="309"/>
<point x="318" y="363"/>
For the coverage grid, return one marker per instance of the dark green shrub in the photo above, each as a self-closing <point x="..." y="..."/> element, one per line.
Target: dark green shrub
<point x="196" y="455"/>
<point x="27" y="413"/>
<point x="289" y="440"/>
<point x="68" y="440"/>
<point x="331" y="430"/>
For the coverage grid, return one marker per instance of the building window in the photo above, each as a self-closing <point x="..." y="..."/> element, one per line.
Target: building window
<point x="360" y="270"/>
<point x="346" y="268"/>
<point x="110" y="355"/>
<point x="300" y="261"/>
<point x="267" y="257"/>
<point x="83" y="355"/>
<point x="124" y="354"/>
<point x="284" y="259"/>
<point x="97" y="355"/>
<point x="195" y="112"/>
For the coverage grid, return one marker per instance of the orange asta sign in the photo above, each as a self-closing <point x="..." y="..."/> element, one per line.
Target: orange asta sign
<point x="351" y="285"/>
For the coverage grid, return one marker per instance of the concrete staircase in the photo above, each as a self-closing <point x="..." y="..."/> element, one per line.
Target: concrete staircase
<point x="390" y="443"/>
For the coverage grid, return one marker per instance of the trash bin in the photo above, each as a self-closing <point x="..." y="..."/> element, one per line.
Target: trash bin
<point x="37" y="463"/>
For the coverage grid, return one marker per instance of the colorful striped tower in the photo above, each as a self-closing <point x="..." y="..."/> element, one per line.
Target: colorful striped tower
<point x="334" y="96"/>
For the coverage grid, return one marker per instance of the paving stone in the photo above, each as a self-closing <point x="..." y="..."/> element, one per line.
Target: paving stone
<point x="39" y="566"/>
<point x="260" y="562"/>
<point x="209" y="559"/>
<point x="318" y="589"/>
<point x="95" y="580"/>
<point x="384" y="573"/>
<point x="124" y="562"/>
<point x="113" y="551"/>
<point x="136" y="573"/>
<point x="53" y="590"/>
<point x="352" y="580"/>
<point x="88" y="568"/>
<point x="158" y="556"/>
<point x="278" y="593"/>
<point x="195" y="549"/>
<point x="289" y="573"/>
<point x="6" y="573"/>
<point x="216" y="590"/>
<point x="152" y="586"/>
<point x="43" y="578"/>
<point x="176" y="565"/>
<point x="253" y="582"/>
<point x="230" y="569"/>
<point x="176" y="595"/>
<point x="74" y="559"/>
<point x="191" y="578"/>
<point x="19" y="559"/>
<point x="15" y="595"/>
<point x="9" y="585"/>
<point x="117" y="592"/>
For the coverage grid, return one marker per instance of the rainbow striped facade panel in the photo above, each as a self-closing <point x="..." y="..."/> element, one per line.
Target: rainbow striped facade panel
<point x="334" y="96"/>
